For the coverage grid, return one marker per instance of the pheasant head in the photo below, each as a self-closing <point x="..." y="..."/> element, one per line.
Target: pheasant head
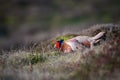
<point x="62" y="46"/>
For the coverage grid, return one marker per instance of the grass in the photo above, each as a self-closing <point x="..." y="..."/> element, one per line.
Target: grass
<point x="43" y="62"/>
<point x="66" y="37"/>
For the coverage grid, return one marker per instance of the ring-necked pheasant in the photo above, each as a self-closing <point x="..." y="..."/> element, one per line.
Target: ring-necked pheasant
<point x="75" y="43"/>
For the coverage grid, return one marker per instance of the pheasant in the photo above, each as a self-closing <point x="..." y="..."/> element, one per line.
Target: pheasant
<point x="77" y="42"/>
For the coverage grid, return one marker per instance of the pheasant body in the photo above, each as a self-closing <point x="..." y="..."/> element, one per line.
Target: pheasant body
<point x="75" y="43"/>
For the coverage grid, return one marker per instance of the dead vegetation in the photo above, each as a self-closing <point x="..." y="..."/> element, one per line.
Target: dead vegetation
<point x="42" y="62"/>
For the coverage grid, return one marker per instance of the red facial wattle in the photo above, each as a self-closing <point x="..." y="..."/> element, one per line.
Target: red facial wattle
<point x="57" y="45"/>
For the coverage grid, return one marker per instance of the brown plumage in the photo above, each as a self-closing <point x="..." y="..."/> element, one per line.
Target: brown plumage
<point x="65" y="48"/>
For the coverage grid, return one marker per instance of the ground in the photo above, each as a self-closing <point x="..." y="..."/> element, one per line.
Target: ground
<point x="43" y="62"/>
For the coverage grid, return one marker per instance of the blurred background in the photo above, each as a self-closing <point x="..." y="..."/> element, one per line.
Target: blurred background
<point x="24" y="21"/>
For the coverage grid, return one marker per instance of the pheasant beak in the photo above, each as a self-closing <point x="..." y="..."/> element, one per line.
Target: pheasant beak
<point x="55" y="46"/>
